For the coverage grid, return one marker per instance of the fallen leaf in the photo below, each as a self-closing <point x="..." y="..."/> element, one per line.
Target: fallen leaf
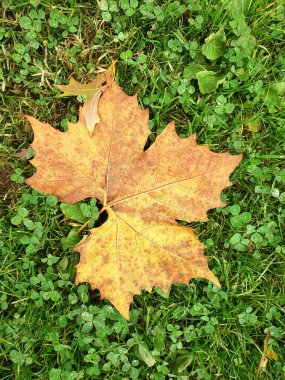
<point x="91" y="92"/>
<point x="22" y="154"/>
<point x="270" y="354"/>
<point x="144" y="193"/>
<point x="267" y="355"/>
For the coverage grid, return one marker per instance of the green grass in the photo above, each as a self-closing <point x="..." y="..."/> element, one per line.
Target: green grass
<point x="52" y="329"/>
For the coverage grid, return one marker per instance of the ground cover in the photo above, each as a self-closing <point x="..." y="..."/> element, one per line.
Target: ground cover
<point x="217" y="69"/>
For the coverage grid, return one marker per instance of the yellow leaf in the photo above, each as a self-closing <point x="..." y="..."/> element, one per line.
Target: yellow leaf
<point x="267" y="355"/>
<point x="270" y="354"/>
<point x="91" y="92"/>
<point x="144" y="193"/>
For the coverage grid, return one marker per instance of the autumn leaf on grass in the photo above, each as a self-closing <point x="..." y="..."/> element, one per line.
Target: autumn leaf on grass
<point x="267" y="355"/>
<point x="144" y="193"/>
<point x="91" y="92"/>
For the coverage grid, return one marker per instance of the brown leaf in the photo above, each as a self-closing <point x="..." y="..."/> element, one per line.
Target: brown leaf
<point x="22" y="154"/>
<point x="270" y="354"/>
<point x="267" y="355"/>
<point x="141" y="245"/>
<point x="91" y="92"/>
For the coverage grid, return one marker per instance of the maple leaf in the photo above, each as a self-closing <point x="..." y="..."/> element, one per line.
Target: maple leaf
<point x="144" y="193"/>
<point x="91" y="92"/>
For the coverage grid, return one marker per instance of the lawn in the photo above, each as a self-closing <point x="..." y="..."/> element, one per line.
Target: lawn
<point x="218" y="69"/>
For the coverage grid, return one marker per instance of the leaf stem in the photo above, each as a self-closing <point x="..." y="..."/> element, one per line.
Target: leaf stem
<point x="103" y="209"/>
<point x="83" y="226"/>
<point x="86" y="223"/>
